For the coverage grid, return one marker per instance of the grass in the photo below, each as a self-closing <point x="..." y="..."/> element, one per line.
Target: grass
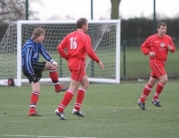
<point x="137" y="64"/>
<point x="111" y="112"/>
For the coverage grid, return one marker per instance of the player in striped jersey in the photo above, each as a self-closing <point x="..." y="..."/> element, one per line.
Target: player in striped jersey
<point x="33" y="69"/>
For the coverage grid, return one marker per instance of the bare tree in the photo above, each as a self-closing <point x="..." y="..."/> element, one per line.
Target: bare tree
<point x="115" y="9"/>
<point x="13" y="10"/>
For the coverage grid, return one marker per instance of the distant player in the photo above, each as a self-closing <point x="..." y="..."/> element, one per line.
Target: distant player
<point x="74" y="48"/>
<point x="32" y="69"/>
<point x="157" y="47"/>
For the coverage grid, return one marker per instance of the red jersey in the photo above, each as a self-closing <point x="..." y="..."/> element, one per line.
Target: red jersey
<point x="77" y="44"/>
<point x="159" y="45"/>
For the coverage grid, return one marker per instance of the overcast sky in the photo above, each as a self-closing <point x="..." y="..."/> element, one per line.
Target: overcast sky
<point x="60" y="9"/>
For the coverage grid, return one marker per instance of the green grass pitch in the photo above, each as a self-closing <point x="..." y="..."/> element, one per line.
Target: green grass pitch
<point x="111" y="112"/>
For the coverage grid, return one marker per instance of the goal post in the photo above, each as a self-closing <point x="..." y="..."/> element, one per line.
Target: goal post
<point x="105" y="38"/>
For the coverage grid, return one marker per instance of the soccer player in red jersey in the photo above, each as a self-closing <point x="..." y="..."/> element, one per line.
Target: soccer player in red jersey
<point x="157" y="47"/>
<point x="74" y="48"/>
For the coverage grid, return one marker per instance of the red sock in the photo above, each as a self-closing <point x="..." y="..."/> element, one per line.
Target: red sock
<point x="79" y="99"/>
<point x="54" y="77"/>
<point x="145" y="93"/>
<point x="34" y="99"/>
<point x="66" y="100"/>
<point x="158" y="91"/>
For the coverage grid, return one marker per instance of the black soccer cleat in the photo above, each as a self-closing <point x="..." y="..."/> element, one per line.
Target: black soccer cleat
<point x="78" y="113"/>
<point x="156" y="102"/>
<point x="142" y="105"/>
<point x="61" y="115"/>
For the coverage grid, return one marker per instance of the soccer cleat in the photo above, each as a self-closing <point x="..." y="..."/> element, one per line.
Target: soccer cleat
<point x="79" y="113"/>
<point x="156" y="102"/>
<point x="62" y="88"/>
<point x="33" y="112"/>
<point x="61" y="115"/>
<point x="142" y="105"/>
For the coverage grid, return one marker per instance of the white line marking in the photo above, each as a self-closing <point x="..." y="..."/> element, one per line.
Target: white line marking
<point x="44" y="136"/>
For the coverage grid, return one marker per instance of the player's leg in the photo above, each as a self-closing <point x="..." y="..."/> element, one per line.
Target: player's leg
<point x="76" y="77"/>
<point x="80" y="96"/>
<point x="158" y="91"/>
<point x="146" y="91"/>
<point x="160" y="72"/>
<point x="34" y="99"/>
<point x="163" y="78"/>
<point x="38" y="68"/>
<point x="148" y="87"/>
<point x="54" y="77"/>
<point x="160" y="86"/>
<point x="68" y="96"/>
<point x="35" y="91"/>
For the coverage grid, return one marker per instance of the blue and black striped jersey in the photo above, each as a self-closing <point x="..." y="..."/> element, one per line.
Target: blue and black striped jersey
<point x="30" y="54"/>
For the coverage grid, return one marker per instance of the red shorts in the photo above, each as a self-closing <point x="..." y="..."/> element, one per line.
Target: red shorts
<point x="77" y="68"/>
<point x="157" y="68"/>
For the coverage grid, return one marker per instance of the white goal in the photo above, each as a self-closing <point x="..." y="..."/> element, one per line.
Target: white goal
<point x="105" y="36"/>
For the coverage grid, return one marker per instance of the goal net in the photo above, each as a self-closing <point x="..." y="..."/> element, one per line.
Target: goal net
<point x="105" y="37"/>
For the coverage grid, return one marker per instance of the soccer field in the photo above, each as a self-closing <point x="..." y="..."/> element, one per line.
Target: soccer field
<point x="111" y="112"/>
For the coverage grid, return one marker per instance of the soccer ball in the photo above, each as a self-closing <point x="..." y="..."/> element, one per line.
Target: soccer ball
<point x="10" y="82"/>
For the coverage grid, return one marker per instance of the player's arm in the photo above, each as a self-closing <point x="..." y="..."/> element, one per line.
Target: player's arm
<point x="47" y="56"/>
<point x="90" y="52"/>
<point x="101" y="64"/>
<point x="44" y="53"/>
<point x="61" y="49"/>
<point x="171" y="46"/>
<point x="146" y="47"/>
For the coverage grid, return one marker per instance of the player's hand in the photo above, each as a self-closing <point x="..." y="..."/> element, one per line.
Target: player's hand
<point x="170" y="47"/>
<point x="101" y="65"/>
<point x="54" y="63"/>
<point x="35" y="79"/>
<point x="152" y="54"/>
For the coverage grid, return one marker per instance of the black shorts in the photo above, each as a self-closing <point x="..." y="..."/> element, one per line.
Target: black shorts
<point x="38" y="68"/>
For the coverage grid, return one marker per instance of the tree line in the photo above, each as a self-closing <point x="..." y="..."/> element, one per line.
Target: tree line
<point x="140" y="28"/>
<point x="134" y="28"/>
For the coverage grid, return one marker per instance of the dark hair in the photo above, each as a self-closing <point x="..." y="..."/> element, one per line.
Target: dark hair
<point x="80" y="22"/>
<point x="161" y="24"/>
<point x="37" y="32"/>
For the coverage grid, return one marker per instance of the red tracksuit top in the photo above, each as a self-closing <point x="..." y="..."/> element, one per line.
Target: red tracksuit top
<point x="77" y="45"/>
<point x="159" y="45"/>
